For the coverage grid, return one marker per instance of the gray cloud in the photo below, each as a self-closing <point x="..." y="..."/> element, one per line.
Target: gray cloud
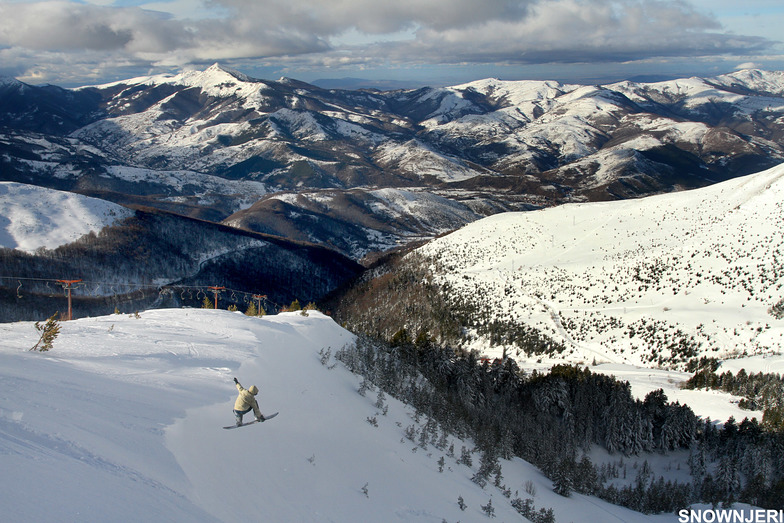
<point x="305" y="31"/>
<point x="577" y="31"/>
<point x="331" y="17"/>
<point x="57" y="26"/>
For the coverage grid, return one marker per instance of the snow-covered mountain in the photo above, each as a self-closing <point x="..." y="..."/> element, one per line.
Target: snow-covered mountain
<point x="123" y="419"/>
<point x="212" y="143"/>
<point x="656" y="281"/>
<point x="358" y="221"/>
<point x="665" y="283"/>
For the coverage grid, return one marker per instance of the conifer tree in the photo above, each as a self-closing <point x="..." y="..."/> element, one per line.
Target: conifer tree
<point x="563" y="483"/>
<point x="489" y="509"/>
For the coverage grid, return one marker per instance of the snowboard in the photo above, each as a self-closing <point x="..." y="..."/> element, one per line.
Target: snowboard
<point x="251" y="422"/>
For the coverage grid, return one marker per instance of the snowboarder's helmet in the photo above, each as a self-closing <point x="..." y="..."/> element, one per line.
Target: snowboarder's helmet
<point x="253" y="390"/>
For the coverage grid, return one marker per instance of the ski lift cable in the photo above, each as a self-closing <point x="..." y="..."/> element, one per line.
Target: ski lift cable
<point x="115" y="287"/>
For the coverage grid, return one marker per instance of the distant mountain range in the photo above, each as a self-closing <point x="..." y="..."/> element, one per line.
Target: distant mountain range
<point x="361" y="171"/>
<point x="364" y="83"/>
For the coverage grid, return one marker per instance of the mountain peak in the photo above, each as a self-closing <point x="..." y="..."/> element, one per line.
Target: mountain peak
<point x="7" y="82"/>
<point x="294" y="83"/>
<point x="218" y="68"/>
<point x="768" y="82"/>
<point x="218" y="80"/>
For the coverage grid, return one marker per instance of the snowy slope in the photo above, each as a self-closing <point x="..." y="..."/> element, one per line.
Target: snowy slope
<point x="732" y="89"/>
<point x="649" y="282"/>
<point x="33" y="217"/>
<point x="122" y="421"/>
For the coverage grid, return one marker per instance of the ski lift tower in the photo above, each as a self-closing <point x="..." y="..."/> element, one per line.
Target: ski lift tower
<point x="258" y="298"/>
<point x="216" y="290"/>
<point x="68" y="285"/>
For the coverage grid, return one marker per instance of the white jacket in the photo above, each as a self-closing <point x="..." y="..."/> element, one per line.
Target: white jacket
<point x="247" y="399"/>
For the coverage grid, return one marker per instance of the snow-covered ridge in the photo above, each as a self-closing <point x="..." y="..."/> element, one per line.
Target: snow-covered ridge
<point x="32" y="217"/>
<point x="216" y="81"/>
<point x="7" y="81"/>
<point x="754" y="79"/>
<point x="698" y="270"/>
<point x="734" y="89"/>
<point x="215" y="76"/>
<point x="532" y="122"/>
<point x="518" y="92"/>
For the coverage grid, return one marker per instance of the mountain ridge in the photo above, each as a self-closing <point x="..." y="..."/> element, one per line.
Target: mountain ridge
<point x="234" y="140"/>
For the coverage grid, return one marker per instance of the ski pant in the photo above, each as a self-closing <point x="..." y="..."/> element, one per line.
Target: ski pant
<point x="239" y="413"/>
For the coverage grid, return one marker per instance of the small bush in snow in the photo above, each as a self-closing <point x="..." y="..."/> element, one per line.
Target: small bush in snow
<point x="49" y="332"/>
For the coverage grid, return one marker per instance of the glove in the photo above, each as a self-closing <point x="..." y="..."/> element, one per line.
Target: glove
<point x="260" y="419"/>
<point x="235" y="381"/>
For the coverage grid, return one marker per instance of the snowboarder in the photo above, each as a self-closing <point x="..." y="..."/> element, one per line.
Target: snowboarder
<point x="246" y="400"/>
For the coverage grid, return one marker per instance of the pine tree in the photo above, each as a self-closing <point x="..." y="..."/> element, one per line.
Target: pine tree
<point x="728" y="479"/>
<point x="563" y="483"/>
<point x="465" y="457"/>
<point x="546" y="516"/>
<point x="697" y="464"/>
<point x="488" y="466"/>
<point x="380" y="399"/>
<point x="585" y="476"/>
<point x="488" y="509"/>
<point x="442" y="440"/>
<point x="423" y="438"/>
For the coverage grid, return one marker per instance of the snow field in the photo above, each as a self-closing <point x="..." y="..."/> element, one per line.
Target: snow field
<point x="122" y="420"/>
<point x="33" y="217"/>
<point x="634" y="281"/>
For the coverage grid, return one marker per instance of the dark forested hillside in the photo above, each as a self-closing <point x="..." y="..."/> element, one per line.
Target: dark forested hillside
<point x="400" y="299"/>
<point x="157" y="259"/>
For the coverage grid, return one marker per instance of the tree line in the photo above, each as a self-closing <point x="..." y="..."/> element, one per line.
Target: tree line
<point x="760" y="391"/>
<point x="553" y="419"/>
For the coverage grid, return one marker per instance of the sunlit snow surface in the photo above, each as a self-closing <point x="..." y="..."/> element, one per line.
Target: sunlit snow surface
<point x="33" y="217"/>
<point x="122" y="420"/>
<point x="621" y="282"/>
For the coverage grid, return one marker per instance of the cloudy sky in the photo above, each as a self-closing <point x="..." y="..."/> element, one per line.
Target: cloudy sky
<point x="436" y="42"/>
